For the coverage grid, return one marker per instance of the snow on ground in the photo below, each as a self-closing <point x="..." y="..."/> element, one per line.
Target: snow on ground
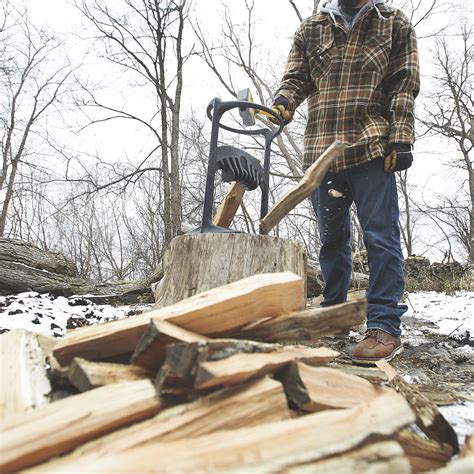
<point x="451" y="314"/>
<point x="54" y="315"/>
<point x="461" y="417"/>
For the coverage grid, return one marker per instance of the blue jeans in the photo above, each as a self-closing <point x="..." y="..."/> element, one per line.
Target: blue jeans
<point x="374" y="193"/>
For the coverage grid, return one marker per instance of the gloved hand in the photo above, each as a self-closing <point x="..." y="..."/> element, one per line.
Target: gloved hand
<point x="281" y="105"/>
<point x="398" y="157"/>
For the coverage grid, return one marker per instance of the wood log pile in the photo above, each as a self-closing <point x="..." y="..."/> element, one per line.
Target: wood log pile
<point x="219" y="382"/>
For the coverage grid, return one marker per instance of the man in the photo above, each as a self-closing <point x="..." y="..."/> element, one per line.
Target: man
<point x="356" y="62"/>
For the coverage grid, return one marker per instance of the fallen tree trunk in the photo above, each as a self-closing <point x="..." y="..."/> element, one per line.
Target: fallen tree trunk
<point x="220" y="310"/>
<point x="199" y="262"/>
<point x="24" y="383"/>
<point x="65" y="424"/>
<point x="267" y="448"/>
<point x="315" y="283"/>
<point x="25" y="267"/>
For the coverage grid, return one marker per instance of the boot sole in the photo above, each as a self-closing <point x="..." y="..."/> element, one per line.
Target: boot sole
<point x="373" y="360"/>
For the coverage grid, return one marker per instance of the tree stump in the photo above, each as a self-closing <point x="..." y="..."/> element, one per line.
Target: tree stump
<point x="198" y="262"/>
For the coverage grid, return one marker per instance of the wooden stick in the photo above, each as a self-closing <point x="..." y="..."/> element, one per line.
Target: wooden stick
<point x="85" y="375"/>
<point x="219" y="310"/>
<point x="428" y="418"/>
<point x="65" y="424"/>
<point x="230" y="205"/>
<point x="23" y="381"/>
<point x="308" y="183"/>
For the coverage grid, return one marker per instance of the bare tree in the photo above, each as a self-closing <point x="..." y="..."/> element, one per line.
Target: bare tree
<point x="31" y="86"/>
<point x="144" y="38"/>
<point x="450" y="114"/>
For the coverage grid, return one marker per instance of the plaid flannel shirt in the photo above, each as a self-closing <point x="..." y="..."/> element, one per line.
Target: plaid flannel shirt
<point x="360" y="85"/>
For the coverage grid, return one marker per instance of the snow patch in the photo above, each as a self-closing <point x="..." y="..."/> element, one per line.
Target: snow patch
<point x="54" y="315"/>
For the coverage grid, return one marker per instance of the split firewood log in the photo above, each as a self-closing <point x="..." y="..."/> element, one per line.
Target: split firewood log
<point x="85" y="375"/>
<point x="24" y="382"/>
<point x="63" y="425"/>
<point x="385" y="457"/>
<point x="230" y="205"/>
<point x="271" y="447"/>
<point x="150" y="352"/>
<point x="308" y="325"/>
<point x="424" y="454"/>
<point x="228" y="362"/>
<point x="320" y="388"/>
<point x="217" y="311"/>
<point x="308" y="183"/>
<point x="252" y="404"/>
<point x="428" y="418"/>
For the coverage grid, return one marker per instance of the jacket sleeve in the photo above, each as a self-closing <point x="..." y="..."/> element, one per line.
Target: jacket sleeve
<point x="402" y="83"/>
<point x="296" y="83"/>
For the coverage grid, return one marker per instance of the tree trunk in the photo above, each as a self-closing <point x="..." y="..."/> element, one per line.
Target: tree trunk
<point x="196" y="263"/>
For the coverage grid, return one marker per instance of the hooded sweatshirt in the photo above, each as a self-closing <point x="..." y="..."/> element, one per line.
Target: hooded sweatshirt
<point x="360" y="78"/>
<point x="333" y="8"/>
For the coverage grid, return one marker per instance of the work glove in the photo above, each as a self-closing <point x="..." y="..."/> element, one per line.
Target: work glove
<point x="282" y="105"/>
<point x="398" y="157"/>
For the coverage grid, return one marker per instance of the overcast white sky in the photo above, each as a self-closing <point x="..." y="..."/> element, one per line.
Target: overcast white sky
<point x="276" y="23"/>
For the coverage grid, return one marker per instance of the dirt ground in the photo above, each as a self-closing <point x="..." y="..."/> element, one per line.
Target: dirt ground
<point x="440" y="366"/>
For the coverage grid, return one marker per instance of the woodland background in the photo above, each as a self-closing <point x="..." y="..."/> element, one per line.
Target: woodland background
<point x="104" y="138"/>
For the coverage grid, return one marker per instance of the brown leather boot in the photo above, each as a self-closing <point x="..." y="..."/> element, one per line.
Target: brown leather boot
<point x="376" y="345"/>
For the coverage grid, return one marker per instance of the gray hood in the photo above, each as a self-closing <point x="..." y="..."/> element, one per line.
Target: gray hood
<point x="331" y="7"/>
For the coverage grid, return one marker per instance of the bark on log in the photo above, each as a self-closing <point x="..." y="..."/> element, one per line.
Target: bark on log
<point x="308" y="325"/>
<point x="12" y="250"/>
<point x="428" y="418"/>
<point x="24" y="267"/>
<point x="310" y="181"/>
<point x="241" y="367"/>
<point x="65" y="424"/>
<point x="320" y="388"/>
<point x="252" y="404"/>
<point x="424" y="454"/>
<point x="268" y="448"/>
<point x="191" y="368"/>
<point x="196" y="263"/>
<point x="24" y="384"/>
<point x="150" y="352"/>
<point x="220" y="310"/>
